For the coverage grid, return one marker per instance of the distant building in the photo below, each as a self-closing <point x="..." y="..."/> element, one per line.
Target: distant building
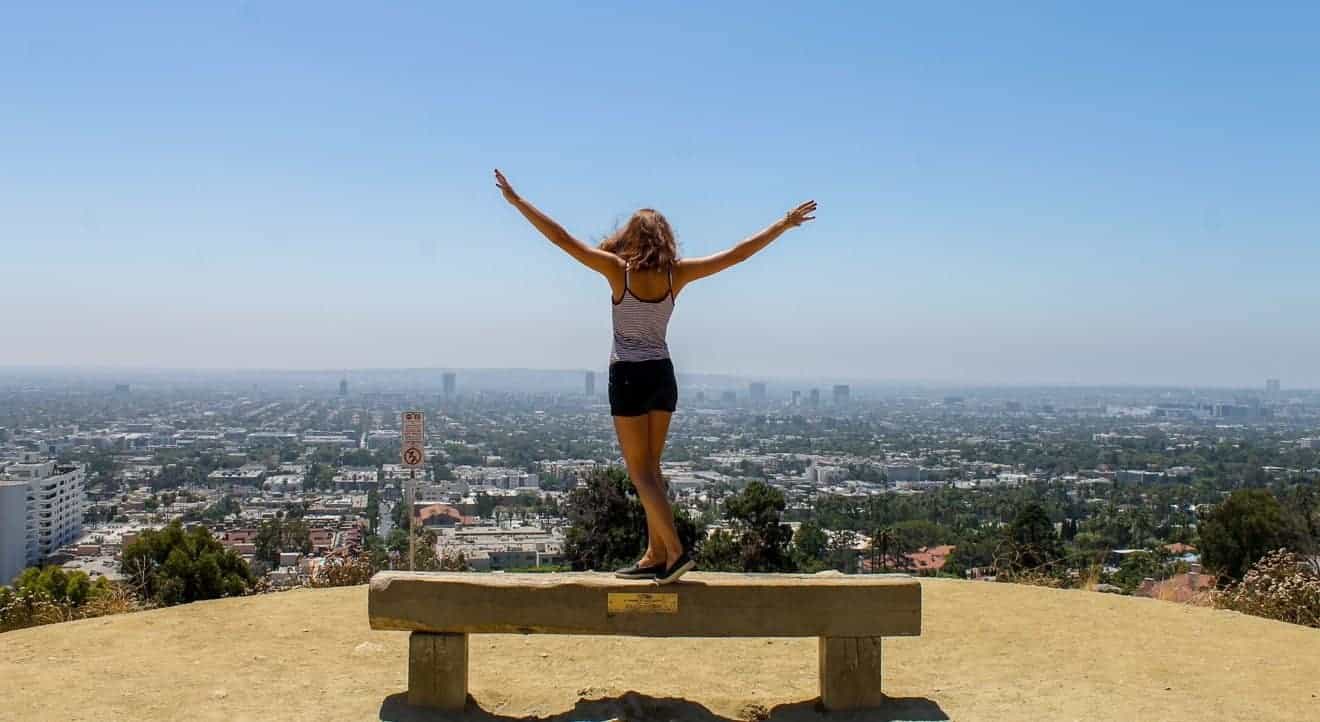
<point x="590" y="383"/>
<point x="902" y="472"/>
<point x="756" y="390"/>
<point x="1139" y="476"/>
<point x="1182" y="588"/>
<point x="813" y="398"/>
<point x="343" y="387"/>
<point x="41" y="510"/>
<point x="245" y="475"/>
<point x="797" y="397"/>
<point x="121" y="389"/>
<point x="930" y="560"/>
<point x="444" y="515"/>
<point x="729" y="398"/>
<point x="842" y="394"/>
<point x="1271" y="386"/>
<point x="450" y="382"/>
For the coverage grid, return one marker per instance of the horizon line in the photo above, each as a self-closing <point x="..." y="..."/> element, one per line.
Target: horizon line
<point x="937" y="384"/>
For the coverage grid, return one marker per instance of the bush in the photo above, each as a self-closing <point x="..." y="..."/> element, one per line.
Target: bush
<point x="344" y="571"/>
<point x="1280" y="586"/>
<point x="50" y="595"/>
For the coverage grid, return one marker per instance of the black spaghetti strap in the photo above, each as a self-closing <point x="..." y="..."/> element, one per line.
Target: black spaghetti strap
<point x="670" y="275"/>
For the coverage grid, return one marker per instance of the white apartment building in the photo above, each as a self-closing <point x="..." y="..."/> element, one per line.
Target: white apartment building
<point x="41" y="510"/>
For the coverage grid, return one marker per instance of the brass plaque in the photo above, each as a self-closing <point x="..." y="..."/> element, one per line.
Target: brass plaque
<point x="641" y="603"/>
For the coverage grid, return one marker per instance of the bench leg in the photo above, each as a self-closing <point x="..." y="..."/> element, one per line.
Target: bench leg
<point x="438" y="670"/>
<point x="850" y="672"/>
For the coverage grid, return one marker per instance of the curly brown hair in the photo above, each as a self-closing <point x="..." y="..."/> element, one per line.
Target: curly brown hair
<point x="645" y="242"/>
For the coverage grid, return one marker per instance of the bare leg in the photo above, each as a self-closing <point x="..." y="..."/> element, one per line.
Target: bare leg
<point x="634" y="439"/>
<point x="659" y="434"/>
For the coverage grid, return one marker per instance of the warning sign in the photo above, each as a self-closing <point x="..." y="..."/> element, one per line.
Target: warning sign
<point x="414" y="438"/>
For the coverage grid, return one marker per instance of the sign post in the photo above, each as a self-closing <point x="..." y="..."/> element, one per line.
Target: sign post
<point x="413" y="450"/>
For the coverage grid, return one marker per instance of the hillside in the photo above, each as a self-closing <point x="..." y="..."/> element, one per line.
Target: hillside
<point x="989" y="652"/>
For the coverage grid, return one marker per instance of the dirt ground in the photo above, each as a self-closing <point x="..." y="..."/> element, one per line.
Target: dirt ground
<point x="988" y="652"/>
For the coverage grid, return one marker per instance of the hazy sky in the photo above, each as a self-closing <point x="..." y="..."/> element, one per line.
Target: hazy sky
<point x="1007" y="193"/>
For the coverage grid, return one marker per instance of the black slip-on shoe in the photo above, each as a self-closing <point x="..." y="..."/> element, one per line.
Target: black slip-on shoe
<point x="636" y="571"/>
<point x="682" y="565"/>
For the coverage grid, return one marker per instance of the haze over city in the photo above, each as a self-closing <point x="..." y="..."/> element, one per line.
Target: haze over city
<point x="1035" y="196"/>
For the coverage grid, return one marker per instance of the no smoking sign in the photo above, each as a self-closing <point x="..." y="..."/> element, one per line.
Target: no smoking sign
<point x="414" y="438"/>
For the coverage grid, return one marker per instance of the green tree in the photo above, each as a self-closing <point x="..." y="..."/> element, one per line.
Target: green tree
<point x="225" y="506"/>
<point x="809" y="547"/>
<point x="607" y="527"/>
<point x="1239" y="532"/>
<point x="373" y="511"/>
<point x="607" y="524"/>
<point x="890" y="546"/>
<point x="841" y="551"/>
<point x="721" y="552"/>
<point x="1032" y="544"/>
<point x="754" y="515"/>
<point x="282" y="535"/>
<point x="172" y="566"/>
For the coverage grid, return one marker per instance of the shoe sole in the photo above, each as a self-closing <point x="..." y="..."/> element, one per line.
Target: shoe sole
<point x="674" y="575"/>
<point x="633" y="576"/>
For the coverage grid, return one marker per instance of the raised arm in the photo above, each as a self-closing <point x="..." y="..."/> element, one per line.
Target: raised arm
<point x="600" y="261"/>
<point x="690" y="269"/>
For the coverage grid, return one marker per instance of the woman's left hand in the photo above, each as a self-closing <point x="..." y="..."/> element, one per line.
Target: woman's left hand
<point x="800" y="215"/>
<point x="502" y="183"/>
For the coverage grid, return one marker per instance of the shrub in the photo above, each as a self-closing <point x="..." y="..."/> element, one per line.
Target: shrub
<point x="51" y="595"/>
<point x="1280" y="586"/>
<point x="344" y="571"/>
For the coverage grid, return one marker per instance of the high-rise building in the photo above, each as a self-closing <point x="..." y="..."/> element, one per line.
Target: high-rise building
<point x="1271" y="386"/>
<point x="591" y="383"/>
<point x="343" y="387"/>
<point x="41" y="510"/>
<point x="841" y="394"/>
<point x="814" y="398"/>
<point x="797" y="397"/>
<point x="451" y="383"/>
<point x="729" y="398"/>
<point x="756" y="390"/>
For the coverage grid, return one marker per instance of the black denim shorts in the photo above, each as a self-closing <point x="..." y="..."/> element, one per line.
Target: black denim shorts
<point x="637" y="387"/>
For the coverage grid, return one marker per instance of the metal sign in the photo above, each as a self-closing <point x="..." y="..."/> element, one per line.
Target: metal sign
<point x="644" y="603"/>
<point x="414" y="438"/>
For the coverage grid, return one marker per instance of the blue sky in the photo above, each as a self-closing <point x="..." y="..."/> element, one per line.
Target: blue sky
<point x="1045" y="193"/>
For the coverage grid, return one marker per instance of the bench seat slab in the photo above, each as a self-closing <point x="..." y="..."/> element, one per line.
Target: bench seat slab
<point x="703" y="604"/>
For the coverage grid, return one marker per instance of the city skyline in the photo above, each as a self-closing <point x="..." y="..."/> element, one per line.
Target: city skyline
<point x="1035" y="196"/>
<point x="335" y="376"/>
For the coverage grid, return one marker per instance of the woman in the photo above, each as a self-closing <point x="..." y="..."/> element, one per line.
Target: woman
<point x="641" y="263"/>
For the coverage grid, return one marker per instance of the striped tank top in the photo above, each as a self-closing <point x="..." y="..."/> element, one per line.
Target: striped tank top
<point x="640" y="325"/>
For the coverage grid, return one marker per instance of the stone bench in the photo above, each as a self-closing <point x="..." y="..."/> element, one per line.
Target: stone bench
<point x="849" y="614"/>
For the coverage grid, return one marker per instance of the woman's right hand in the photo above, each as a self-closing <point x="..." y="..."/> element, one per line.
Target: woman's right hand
<point x="800" y="215"/>
<point x="502" y="183"/>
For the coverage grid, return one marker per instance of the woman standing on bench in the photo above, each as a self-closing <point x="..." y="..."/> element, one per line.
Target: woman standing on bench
<point x="645" y="274"/>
